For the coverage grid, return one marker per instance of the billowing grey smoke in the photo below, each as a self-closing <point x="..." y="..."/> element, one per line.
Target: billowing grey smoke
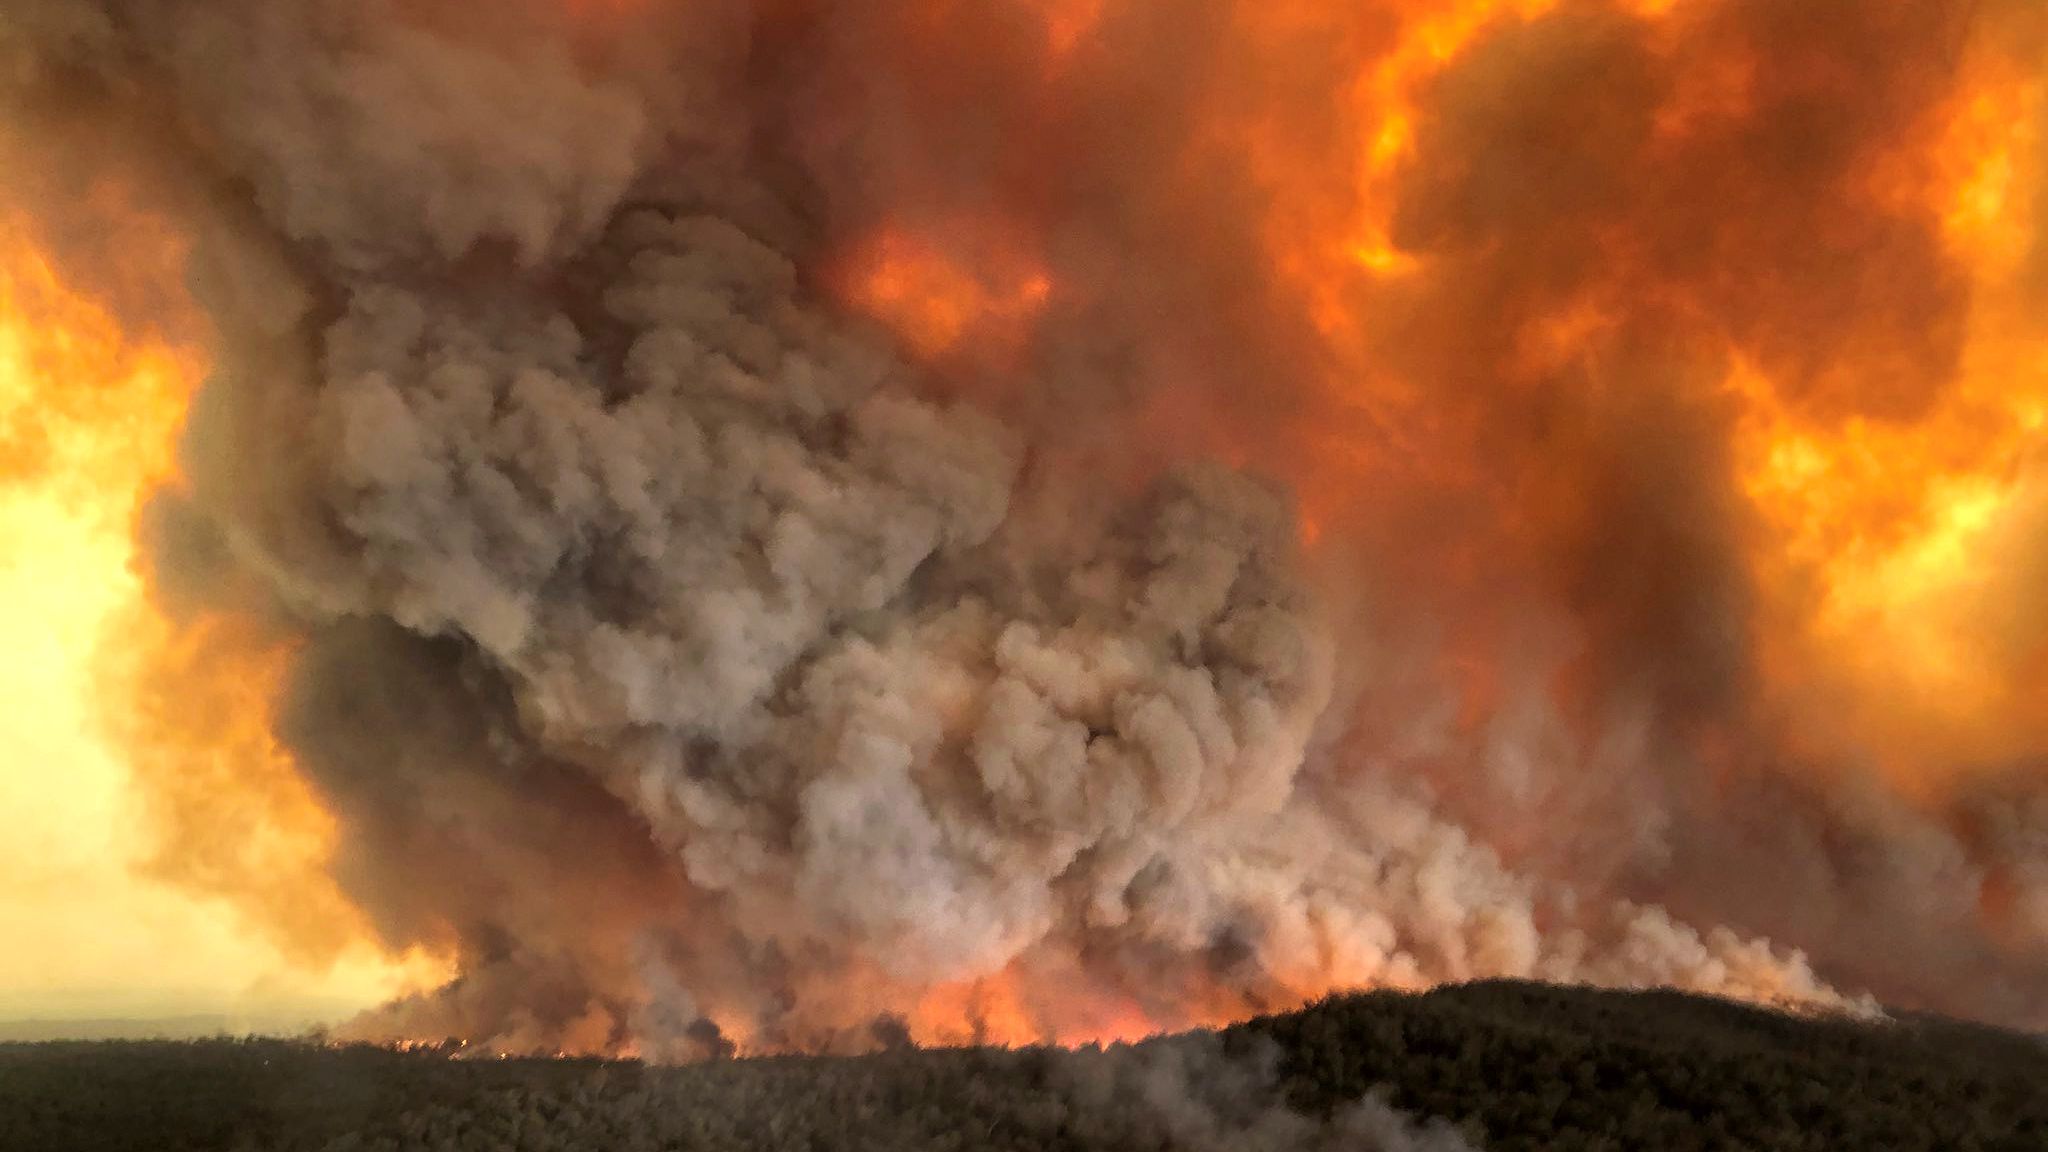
<point x="674" y="653"/>
<point x="1186" y="1092"/>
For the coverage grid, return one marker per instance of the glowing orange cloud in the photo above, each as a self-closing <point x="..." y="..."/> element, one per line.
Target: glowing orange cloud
<point x="936" y="301"/>
<point x="107" y="694"/>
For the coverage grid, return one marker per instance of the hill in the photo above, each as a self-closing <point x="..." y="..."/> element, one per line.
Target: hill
<point x="1496" y="1065"/>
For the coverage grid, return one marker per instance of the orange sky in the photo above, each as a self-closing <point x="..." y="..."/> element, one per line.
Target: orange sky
<point x="86" y="427"/>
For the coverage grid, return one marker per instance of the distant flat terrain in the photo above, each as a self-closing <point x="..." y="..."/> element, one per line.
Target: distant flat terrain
<point x="193" y="1027"/>
<point x="1496" y="1065"/>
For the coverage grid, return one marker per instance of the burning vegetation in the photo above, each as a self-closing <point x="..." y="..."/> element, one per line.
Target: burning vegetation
<point x="1502" y="1066"/>
<point x="775" y="525"/>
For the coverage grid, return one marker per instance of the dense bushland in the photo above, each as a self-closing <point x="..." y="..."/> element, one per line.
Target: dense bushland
<point x="1499" y="1065"/>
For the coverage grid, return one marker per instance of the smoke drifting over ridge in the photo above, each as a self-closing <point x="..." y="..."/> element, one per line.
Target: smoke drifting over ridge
<point x="1026" y="520"/>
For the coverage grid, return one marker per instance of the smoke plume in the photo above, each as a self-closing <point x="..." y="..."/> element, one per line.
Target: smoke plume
<point x="792" y="522"/>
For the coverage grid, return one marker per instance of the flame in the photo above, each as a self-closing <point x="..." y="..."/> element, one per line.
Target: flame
<point x="104" y="693"/>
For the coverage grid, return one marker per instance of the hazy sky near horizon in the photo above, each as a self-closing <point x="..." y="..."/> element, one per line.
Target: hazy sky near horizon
<point x="88" y="935"/>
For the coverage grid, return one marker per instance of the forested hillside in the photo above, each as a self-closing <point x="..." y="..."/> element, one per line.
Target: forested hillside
<point x="1499" y="1065"/>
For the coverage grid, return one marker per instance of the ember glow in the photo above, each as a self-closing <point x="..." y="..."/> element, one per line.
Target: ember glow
<point x="934" y="302"/>
<point x="767" y="525"/>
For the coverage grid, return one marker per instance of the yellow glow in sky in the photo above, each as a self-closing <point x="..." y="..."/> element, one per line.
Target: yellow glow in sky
<point x="87" y="936"/>
<point x="86" y="428"/>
